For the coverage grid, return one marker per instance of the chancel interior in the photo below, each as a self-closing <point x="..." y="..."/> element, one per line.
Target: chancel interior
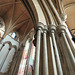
<point x="37" y="37"/>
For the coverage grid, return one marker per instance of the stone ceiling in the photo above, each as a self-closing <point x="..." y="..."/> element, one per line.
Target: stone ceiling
<point x="16" y="17"/>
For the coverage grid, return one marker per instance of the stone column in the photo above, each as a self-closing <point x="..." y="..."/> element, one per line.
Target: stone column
<point x="53" y="56"/>
<point x="62" y="29"/>
<point x="52" y="29"/>
<point x="8" y="60"/>
<point x="39" y="28"/>
<point x="3" y="54"/>
<point x="45" y="55"/>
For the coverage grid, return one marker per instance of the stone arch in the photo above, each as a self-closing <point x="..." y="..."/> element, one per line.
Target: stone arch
<point x="68" y="5"/>
<point x="33" y="8"/>
<point x="31" y="33"/>
<point x="10" y="44"/>
<point x="28" y="36"/>
<point x="14" y="46"/>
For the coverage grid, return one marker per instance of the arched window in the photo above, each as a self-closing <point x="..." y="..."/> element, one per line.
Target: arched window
<point x="14" y="36"/>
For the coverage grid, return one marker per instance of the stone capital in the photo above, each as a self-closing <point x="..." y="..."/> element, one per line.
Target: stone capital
<point x="61" y="28"/>
<point x="39" y="26"/>
<point x="45" y="29"/>
<point x="52" y="28"/>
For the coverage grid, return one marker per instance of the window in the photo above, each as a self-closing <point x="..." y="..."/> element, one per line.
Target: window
<point x="14" y="35"/>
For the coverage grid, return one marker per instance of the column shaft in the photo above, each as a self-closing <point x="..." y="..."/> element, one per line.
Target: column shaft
<point x="57" y="54"/>
<point x="37" y="54"/>
<point x="53" y="57"/>
<point x="69" y="49"/>
<point x="45" y="55"/>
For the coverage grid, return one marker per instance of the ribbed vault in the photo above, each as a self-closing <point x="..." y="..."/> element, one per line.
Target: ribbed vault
<point x="16" y="17"/>
<point x="19" y="14"/>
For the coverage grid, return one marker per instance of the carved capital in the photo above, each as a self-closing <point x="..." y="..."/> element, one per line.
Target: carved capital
<point x="52" y="28"/>
<point x="45" y="29"/>
<point x="39" y="26"/>
<point x="61" y="28"/>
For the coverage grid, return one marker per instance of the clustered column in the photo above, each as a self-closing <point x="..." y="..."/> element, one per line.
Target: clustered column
<point x="45" y="55"/>
<point x="53" y="54"/>
<point x="62" y="29"/>
<point x="52" y="29"/>
<point x="39" y="29"/>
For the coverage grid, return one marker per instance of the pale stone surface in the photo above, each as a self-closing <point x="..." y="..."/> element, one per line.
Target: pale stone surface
<point x="40" y="13"/>
<point x="3" y="54"/>
<point x="8" y="61"/>
<point x="45" y="55"/>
